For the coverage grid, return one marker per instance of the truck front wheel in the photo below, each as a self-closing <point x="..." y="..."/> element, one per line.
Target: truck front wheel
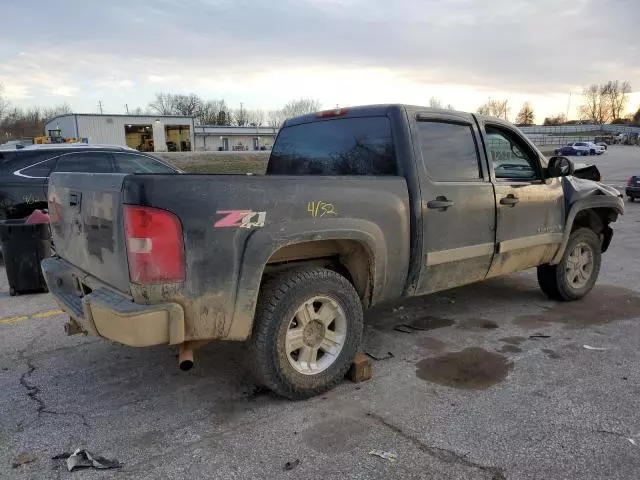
<point x="577" y="272"/>
<point x="306" y="332"/>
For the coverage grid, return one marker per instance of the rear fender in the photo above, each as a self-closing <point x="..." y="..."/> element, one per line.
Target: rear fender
<point x="264" y="242"/>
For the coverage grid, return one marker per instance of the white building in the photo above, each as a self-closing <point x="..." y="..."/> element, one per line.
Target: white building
<point x="143" y="132"/>
<point x="160" y="133"/>
<point x="219" y="138"/>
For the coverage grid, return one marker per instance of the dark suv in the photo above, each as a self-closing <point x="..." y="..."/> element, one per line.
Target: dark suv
<point x="24" y="172"/>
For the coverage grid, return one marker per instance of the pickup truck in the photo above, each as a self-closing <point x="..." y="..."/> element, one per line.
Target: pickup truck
<point x="358" y="206"/>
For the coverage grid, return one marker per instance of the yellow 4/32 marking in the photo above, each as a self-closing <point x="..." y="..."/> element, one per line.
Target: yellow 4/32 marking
<point x="22" y="318"/>
<point x="321" y="209"/>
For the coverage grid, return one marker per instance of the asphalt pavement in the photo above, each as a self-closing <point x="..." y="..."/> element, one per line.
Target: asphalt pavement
<point x="493" y="381"/>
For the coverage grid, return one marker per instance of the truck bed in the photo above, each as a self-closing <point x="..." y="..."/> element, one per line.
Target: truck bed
<point x="232" y="226"/>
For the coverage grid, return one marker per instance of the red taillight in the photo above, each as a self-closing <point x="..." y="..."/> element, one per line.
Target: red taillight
<point x="336" y="112"/>
<point x="154" y="245"/>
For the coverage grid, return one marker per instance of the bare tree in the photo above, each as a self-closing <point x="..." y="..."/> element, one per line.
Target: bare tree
<point x="526" y="115"/>
<point x="164" y="104"/>
<point x="495" y="108"/>
<point x="557" y="119"/>
<point x="256" y="118"/>
<point x="595" y="107"/>
<point x="208" y="114"/>
<point x="636" y="117"/>
<point x="616" y="95"/>
<point x="224" y="115"/>
<point x="241" y="116"/>
<point x="62" y="109"/>
<point x="435" y="102"/>
<point x="275" y="118"/>
<point x="139" y="111"/>
<point x="299" y="107"/>
<point x="187" y="105"/>
<point x="450" y="107"/>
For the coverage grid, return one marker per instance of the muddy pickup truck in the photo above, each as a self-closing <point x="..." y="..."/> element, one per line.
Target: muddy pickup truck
<point x="358" y="206"/>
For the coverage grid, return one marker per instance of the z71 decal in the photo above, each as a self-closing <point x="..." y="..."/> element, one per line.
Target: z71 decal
<point x="240" y="219"/>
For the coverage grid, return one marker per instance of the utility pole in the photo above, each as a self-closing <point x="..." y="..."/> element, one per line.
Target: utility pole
<point x="568" y="105"/>
<point x="126" y="107"/>
<point x="100" y="106"/>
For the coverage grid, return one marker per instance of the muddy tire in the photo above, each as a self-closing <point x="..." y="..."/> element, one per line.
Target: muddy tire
<point x="577" y="272"/>
<point x="306" y="332"/>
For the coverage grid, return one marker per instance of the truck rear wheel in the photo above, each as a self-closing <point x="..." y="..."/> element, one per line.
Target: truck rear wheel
<point x="577" y="272"/>
<point x="306" y="332"/>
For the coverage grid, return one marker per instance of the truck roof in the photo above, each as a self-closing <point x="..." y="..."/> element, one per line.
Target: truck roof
<point x="375" y="110"/>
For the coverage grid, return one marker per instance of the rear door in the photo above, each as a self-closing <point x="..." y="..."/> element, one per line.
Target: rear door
<point x="458" y="201"/>
<point x="530" y="209"/>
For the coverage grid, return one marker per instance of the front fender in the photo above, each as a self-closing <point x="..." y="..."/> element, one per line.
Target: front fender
<point x="596" y="201"/>
<point x="263" y="243"/>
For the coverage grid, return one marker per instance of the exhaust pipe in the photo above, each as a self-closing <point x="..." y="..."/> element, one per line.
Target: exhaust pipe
<point x="185" y="355"/>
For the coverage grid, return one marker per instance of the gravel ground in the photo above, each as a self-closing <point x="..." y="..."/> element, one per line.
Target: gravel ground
<point x="496" y="384"/>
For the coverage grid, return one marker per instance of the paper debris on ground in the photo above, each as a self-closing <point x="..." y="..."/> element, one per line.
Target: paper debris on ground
<point x="589" y="347"/>
<point x="389" y="456"/>
<point x="84" y="459"/>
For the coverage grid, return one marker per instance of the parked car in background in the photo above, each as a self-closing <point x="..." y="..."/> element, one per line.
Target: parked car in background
<point x="583" y="147"/>
<point x="24" y="171"/>
<point x="632" y="190"/>
<point x="569" y="150"/>
<point x="603" y="145"/>
<point x="595" y="149"/>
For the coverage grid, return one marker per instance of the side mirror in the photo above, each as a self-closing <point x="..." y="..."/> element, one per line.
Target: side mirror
<point x="560" y="167"/>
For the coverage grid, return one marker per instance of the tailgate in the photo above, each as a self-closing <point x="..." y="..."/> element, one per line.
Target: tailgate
<point x="86" y="224"/>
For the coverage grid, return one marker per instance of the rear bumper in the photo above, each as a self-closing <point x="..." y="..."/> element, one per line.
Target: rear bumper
<point x="632" y="192"/>
<point x="111" y="314"/>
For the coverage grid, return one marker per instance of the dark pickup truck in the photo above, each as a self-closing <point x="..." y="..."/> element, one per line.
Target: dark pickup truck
<point x="358" y="206"/>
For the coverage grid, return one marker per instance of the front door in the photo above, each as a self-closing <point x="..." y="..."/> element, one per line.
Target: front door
<point x="530" y="209"/>
<point x="458" y="201"/>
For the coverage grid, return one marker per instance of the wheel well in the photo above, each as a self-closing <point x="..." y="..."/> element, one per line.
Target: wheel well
<point x="598" y="220"/>
<point x="589" y="218"/>
<point x="350" y="258"/>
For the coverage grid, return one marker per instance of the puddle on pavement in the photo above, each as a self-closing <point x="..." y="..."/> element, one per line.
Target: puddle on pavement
<point x="478" y="323"/>
<point x="431" y="344"/>
<point x="551" y="353"/>
<point x="513" y="340"/>
<point x="431" y="322"/>
<point x="471" y="368"/>
<point x="604" y="304"/>
<point x="510" y="349"/>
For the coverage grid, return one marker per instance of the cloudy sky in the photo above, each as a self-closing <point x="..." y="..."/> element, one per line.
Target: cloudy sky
<point x="266" y="52"/>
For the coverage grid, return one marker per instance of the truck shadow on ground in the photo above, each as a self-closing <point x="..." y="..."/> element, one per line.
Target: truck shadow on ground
<point x="104" y="379"/>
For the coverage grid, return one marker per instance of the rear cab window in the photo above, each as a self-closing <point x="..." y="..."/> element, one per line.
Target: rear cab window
<point x="341" y="146"/>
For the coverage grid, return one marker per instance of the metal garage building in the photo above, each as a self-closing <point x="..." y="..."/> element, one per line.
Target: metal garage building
<point x="160" y="133"/>
<point x="143" y="132"/>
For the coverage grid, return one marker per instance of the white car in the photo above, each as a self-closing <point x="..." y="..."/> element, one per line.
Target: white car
<point x="599" y="149"/>
<point x="581" y="148"/>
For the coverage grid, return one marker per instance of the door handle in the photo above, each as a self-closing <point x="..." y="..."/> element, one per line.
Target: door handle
<point x="510" y="200"/>
<point x="440" y="203"/>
